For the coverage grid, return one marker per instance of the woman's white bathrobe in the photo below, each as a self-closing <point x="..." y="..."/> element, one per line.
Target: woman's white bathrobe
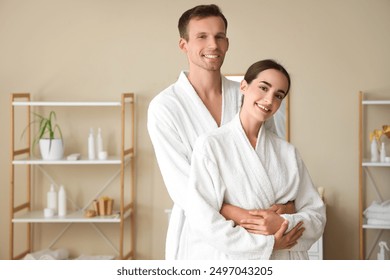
<point x="226" y="168"/>
<point x="176" y="118"/>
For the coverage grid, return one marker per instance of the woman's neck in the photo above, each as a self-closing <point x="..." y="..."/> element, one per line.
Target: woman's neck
<point x="251" y="128"/>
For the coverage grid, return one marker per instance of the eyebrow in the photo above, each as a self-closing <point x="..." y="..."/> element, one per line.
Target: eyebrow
<point x="268" y="84"/>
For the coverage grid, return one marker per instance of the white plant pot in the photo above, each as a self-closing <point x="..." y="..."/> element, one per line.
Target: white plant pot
<point x="51" y="149"/>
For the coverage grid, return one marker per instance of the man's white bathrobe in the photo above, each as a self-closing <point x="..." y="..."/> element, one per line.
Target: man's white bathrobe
<point x="226" y="168"/>
<point x="176" y="118"/>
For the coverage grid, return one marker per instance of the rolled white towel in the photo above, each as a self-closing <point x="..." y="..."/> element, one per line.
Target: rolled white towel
<point x="47" y="254"/>
<point x="47" y="257"/>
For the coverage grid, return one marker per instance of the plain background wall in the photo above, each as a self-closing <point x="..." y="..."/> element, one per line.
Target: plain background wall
<point x="98" y="49"/>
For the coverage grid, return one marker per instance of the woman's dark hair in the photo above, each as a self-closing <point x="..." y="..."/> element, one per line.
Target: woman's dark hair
<point x="263" y="65"/>
<point x="201" y="11"/>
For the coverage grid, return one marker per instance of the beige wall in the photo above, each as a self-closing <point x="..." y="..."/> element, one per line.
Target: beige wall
<point x="95" y="50"/>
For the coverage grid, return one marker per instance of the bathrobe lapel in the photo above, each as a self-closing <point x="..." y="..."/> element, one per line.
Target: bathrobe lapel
<point x="256" y="163"/>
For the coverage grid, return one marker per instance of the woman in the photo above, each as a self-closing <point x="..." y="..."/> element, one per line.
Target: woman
<point x="246" y="165"/>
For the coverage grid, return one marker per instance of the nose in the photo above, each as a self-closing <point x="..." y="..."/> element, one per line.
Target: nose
<point x="268" y="98"/>
<point x="212" y="42"/>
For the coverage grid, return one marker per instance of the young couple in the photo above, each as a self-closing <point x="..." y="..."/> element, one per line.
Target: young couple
<point x="239" y="191"/>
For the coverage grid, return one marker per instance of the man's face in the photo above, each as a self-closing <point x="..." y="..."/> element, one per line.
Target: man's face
<point x="207" y="43"/>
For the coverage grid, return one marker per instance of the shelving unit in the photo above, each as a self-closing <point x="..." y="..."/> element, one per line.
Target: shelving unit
<point x="365" y="175"/>
<point x="24" y="212"/>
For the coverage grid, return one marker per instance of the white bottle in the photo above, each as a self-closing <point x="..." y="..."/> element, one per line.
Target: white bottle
<point x="61" y="202"/>
<point x="383" y="251"/>
<point x="91" y="145"/>
<point x="52" y="199"/>
<point x="374" y="150"/>
<point x="99" y="141"/>
<point x="383" y="152"/>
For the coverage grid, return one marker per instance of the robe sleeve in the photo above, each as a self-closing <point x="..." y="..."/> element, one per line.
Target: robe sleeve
<point x="205" y="198"/>
<point x="170" y="151"/>
<point x="310" y="209"/>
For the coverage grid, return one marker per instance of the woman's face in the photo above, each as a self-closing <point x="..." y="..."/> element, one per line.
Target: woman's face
<point x="263" y="95"/>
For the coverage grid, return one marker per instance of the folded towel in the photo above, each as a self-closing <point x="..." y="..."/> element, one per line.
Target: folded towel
<point x="376" y="222"/>
<point x="377" y="216"/>
<point x="377" y="207"/>
<point x="47" y="254"/>
<point x="378" y="211"/>
<point x="95" y="257"/>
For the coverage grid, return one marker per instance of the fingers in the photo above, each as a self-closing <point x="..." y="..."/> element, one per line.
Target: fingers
<point x="252" y="221"/>
<point x="258" y="212"/>
<point x="274" y="208"/>
<point x="258" y="232"/>
<point x="292" y="237"/>
<point x="282" y="229"/>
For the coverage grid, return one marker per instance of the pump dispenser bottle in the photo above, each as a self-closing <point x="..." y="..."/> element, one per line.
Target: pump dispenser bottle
<point x="62" y="202"/>
<point x="52" y="199"/>
<point x="91" y="145"/>
<point x="374" y="151"/>
<point x="99" y="141"/>
<point x="383" y="251"/>
<point x="383" y="152"/>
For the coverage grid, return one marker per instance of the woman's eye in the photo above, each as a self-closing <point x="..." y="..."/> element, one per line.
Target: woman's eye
<point x="280" y="96"/>
<point x="263" y="88"/>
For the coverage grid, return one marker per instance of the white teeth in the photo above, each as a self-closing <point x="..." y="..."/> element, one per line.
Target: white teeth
<point x="264" y="108"/>
<point x="211" y="55"/>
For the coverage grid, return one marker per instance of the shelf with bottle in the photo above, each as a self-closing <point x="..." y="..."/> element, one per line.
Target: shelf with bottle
<point x="38" y="161"/>
<point x="28" y="212"/>
<point x="373" y="162"/>
<point x="37" y="216"/>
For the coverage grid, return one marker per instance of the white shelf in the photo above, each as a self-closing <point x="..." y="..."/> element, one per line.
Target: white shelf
<point x="375" y="164"/>
<point x="110" y="160"/>
<point x="376" y="102"/>
<point x="66" y="104"/>
<point x="367" y="226"/>
<point x="119" y="160"/>
<point x="74" y="217"/>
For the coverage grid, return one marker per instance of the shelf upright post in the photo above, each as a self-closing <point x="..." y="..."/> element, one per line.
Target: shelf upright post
<point x="132" y="177"/>
<point x="122" y="198"/>
<point x="15" y="153"/>
<point x="361" y="196"/>
<point x="127" y="98"/>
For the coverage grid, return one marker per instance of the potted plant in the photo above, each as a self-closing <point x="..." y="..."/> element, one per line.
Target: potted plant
<point x="51" y="147"/>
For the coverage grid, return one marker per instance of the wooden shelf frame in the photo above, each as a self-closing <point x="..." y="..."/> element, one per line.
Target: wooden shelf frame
<point x="125" y="160"/>
<point x="364" y="165"/>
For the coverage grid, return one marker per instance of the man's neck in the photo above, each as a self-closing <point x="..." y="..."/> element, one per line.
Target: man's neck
<point x="206" y="83"/>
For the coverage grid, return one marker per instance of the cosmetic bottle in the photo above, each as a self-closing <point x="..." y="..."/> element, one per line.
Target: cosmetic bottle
<point x="383" y="152"/>
<point x="374" y="151"/>
<point x="52" y="199"/>
<point x="383" y="251"/>
<point x="99" y="141"/>
<point x="62" y="202"/>
<point x="91" y="145"/>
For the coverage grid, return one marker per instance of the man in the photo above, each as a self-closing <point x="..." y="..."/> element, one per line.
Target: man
<point x="200" y="100"/>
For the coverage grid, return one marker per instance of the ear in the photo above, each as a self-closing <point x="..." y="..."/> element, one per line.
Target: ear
<point x="227" y="40"/>
<point x="243" y="86"/>
<point x="183" y="44"/>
